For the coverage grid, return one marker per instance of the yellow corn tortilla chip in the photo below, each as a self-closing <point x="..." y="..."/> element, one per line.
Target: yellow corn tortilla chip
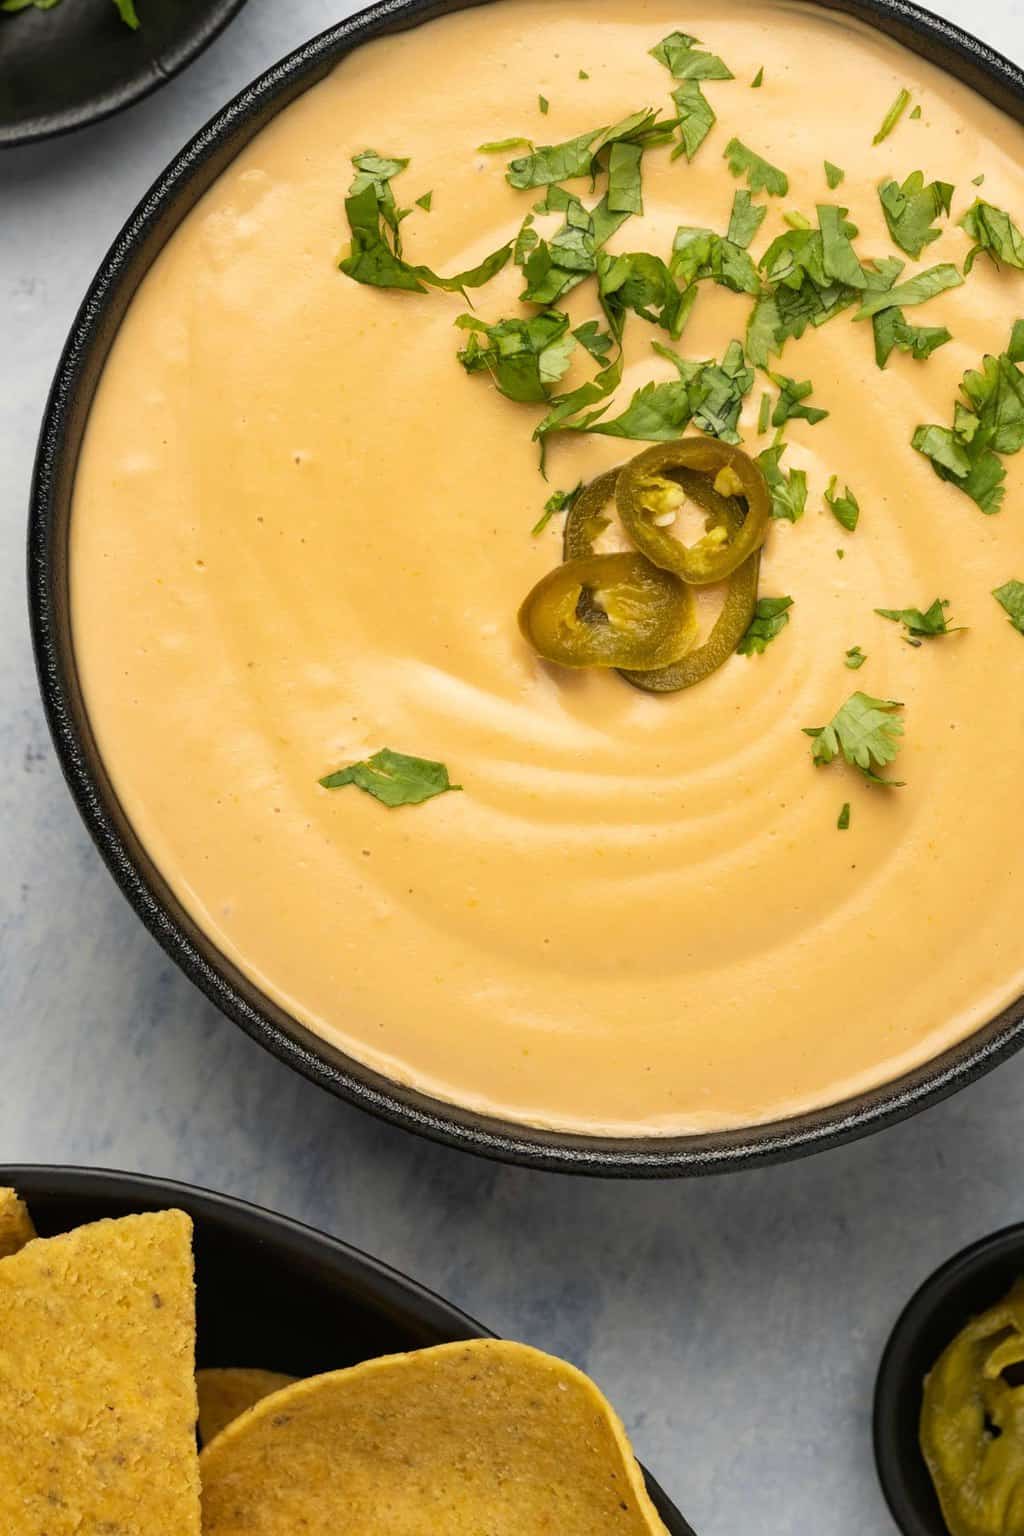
<point x="16" y="1227"/>
<point x="97" y="1382"/>
<point x="225" y="1394"/>
<point x="485" y="1436"/>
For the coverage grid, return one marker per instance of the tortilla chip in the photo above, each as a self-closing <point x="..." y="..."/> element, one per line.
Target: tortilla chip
<point x="97" y="1383"/>
<point x="16" y="1227"/>
<point x="453" y="1441"/>
<point x="225" y="1394"/>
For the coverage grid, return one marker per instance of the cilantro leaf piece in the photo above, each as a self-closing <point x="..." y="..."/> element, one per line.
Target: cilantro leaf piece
<point x="994" y="232"/>
<point x="910" y="210"/>
<point x="683" y="57"/>
<point x="865" y="732"/>
<point x="770" y="619"/>
<point x="1010" y="596"/>
<point x="377" y="171"/>
<point x="838" y="259"/>
<point x="855" y="658"/>
<point x="788" y="490"/>
<point x="593" y="397"/>
<point x="698" y="254"/>
<point x="642" y="283"/>
<point x="624" y="195"/>
<point x="543" y="104"/>
<point x="926" y="625"/>
<point x="717" y="390"/>
<point x="833" y="174"/>
<point x="374" y="260"/>
<point x="893" y="116"/>
<point x="425" y="201"/>
<point x="696" y="118"/>
<point x="843" y="824"/>
<point x="499" y="146"/>
<point x="597" y="342"/>
<point x="761" y="175"/>
<point x="552" y="268"/>
<point x="744" y="221"/>
<point x="845" y="509"/>
<point x="892" y="329"/>
<point x="916" y="290"/>
<point x="583" y="75"/>
<point x="524" y="357"/>
<point x="558" y="501"/>
<point x="394" y="778"/>
<point x="792" y="394"/>
<point x="758" y="79"/>
<point x="987" y="422"/>
<point x="764" y="414"/>
<point x="915" y="114"/>
<point x="579" y="156"/>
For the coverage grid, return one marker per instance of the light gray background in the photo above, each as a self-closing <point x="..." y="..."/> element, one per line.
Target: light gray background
<point x="736" y="1322"/>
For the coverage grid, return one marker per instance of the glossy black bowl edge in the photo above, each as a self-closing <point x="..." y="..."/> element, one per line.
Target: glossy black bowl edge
<point x="411" y="1306"/>
<point x="159" y="71"/>
<point x="172" y="195"/>
<point x="965" y="1285"/>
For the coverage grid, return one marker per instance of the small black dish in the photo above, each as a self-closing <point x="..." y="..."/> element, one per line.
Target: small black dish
<point x="270" y="1292"/>
<point x="65" y="67"/>
<point x="971" y="1282"/>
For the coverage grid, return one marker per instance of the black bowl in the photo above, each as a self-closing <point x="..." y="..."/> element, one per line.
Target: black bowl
<point x="169" y="200"/>
<point x="270" y="1292"/>
<point x="971" y="1282"/>
<point x="63" y="68"/>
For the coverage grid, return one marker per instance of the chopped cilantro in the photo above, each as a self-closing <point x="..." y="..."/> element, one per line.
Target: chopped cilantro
<point x="987" y="422"/>
<point x="644" y="284"/>
<point x="866" y="733"/>
<point x="393" y="778"/>
<point x="552" y="268"/>
<point x="788" y="491"/>
<point x="893" y="116"/>
<point x="597" y="342"/>
<point x="696" y="118"/>
<point x="789" y="406"/>
<point x="544" y="104"/>
<point x="758" y="79"/>
<point x="916" y="290"/>
<point x="683" y="57"/>
<point x="833" y="174"/>
<point x="855" y="658"/>
<point x="745" y="220"/>
<point x="761" y="176"/>
<point x="926" y="625"/>
<point x="1010" y="597"/>
<point x="838" y="258"/>
<point x="843" y="823"/>
<point x="993" y="231"/>
<point x="845" y="509"/>
<point x="624" y="194"/>
<point x="579" y="156"/>
<point x="700" y="253"/>
<point x="583" y="75"/>
<point x="425" y="201"/>
<point x="525" y="358"/>
<point x="764" y="415"/>
<point x="977" y="181"/>
<point x="499" y="146"/>
<point x="892" y="329"/>
<point x="911" y="208"/>
<point x="916" y="113"/>
<point x="559" y="501"/>
<point x="770" y="619"/>
<point x="840" y="554"/>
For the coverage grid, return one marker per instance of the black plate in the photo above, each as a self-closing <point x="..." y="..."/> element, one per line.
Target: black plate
<point x="167" y="203"/>
<point x="270" y="1292"/>
<point x="63" y="68"/>
<point x="971" y="1282"/>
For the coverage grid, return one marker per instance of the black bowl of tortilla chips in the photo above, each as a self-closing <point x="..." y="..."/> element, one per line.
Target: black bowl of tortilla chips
<point x="271" y="1296"/>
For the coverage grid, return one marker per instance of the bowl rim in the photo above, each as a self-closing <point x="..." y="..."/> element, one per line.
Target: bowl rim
<point x="204" y="28"/>
<point x="953" y="1274"/>
<point x="144" y="233"/>
<point x="383" y="1286"/>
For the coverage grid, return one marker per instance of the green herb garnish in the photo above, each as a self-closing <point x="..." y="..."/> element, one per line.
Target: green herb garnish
<point x="644" y="284"/>
<point x="394" y="778"/>
<point x="761" y="175"/>
<point x="525" y="358"/>
<point x="790" y="406"/>
<point x="770" y="618"/>
<point x="558" y="501"/>
<point x="580" y="156"/>
<point x="833" y="174"/>
<point x="916" y="290"/>
<point x="892" y="329"/>
<point x="745" y="220"/>
<point x="696" y="118"/>
<point x="854" y="658"/>
<point x="843" y="823"/>
<point x="499" y="146"/>
<point x="910" y="210"/>
<point x="425" y="201"/>
<point x="845" y="509"/>
<point x="758" y="79"/>
<point x="1010" y="597"/>
<point x="544" y="104"/>
<point x="698" y="254"/>
<point x="926" y="625"/>
<point x="893" y="116"/>
<point x="994" y="232"/>
<point x="988" y="421"/>
<point x="866" y="733"/>
<point x="683" y="57"/>
<point x="764" y="414"/>
<point x="583" y="75"/>
<point x="788" y="490"/>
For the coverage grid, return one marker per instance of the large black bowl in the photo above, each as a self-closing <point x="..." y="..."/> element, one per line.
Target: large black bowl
<point x="157" y="216"/>
<point x="270" y="1292"/>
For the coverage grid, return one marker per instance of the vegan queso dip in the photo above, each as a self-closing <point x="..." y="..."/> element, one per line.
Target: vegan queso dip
<point x="304" y="524"/>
